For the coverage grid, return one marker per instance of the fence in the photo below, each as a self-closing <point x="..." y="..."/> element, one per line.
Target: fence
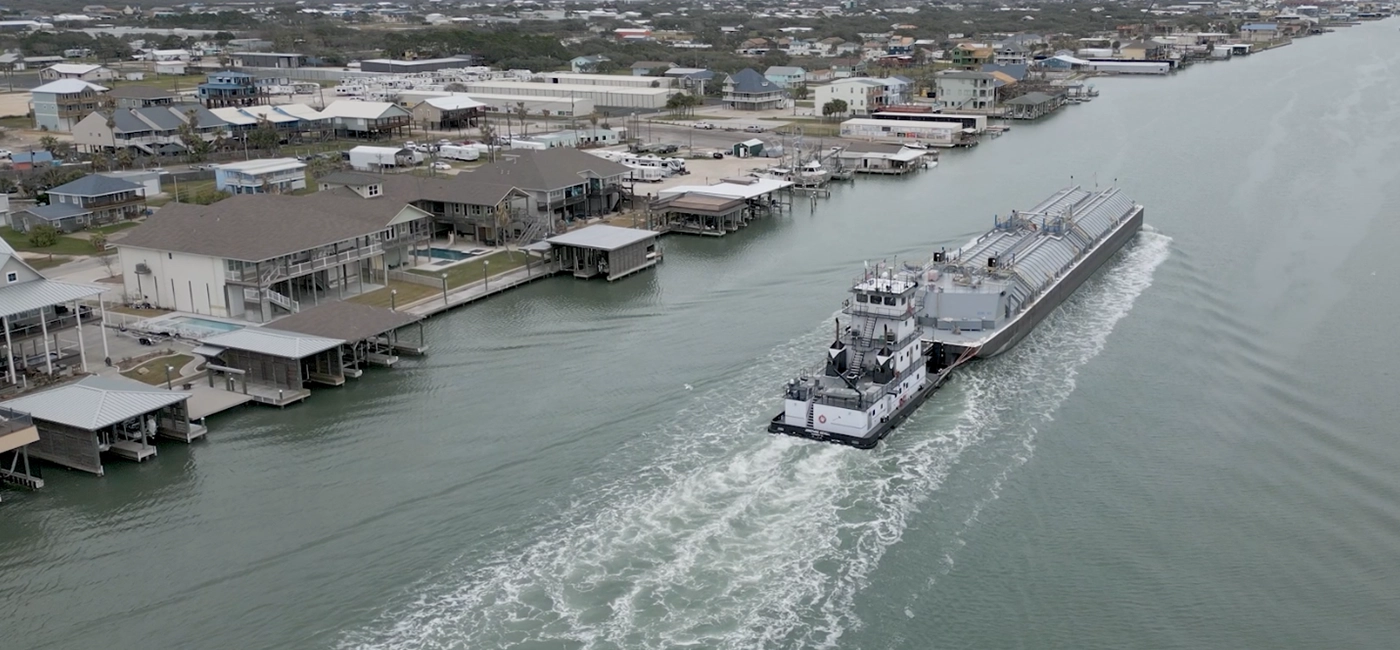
<point x="415" y="278"/>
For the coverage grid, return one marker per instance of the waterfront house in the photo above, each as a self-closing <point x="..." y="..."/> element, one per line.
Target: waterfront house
<point x="36" y="314"/>
<point x="965" y="89"/>
<point x="1259" y="32"/>
<point x="78" y="422"/>
<point x="259" y="256"/>
<point x="17" y="433"/>
<point x="58" y="105"/>
<point x="1142" y="51"/>
<point x="80" y="71"/>
<point x="137" y="96"/>
<point x="563" y="184"/>
<point x="156" y="130"/>
<point x="261" y="176"/>
<point x="785" y="76"/>
<point x="747" y="90"/>
<point x="1010" y="54"/>
<point x="92" y="200"/>
<point x="488" y="212"/>
<point x="229" y="88"/>
<point x="447" y="113"/>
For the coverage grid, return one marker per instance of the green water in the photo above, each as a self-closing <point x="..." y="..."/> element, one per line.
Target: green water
<point x="1197" y="451"/>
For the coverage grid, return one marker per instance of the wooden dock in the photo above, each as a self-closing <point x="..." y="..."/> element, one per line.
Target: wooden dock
<point x="132" y="450"/>
<point x="481" y="290"/>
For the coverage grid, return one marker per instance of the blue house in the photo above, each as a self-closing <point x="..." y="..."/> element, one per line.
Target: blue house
<point x="229" y="88"/>
<point x="785" y="76"/>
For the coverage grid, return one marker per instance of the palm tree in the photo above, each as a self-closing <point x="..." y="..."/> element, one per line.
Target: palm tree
<point x="523" y="113"/>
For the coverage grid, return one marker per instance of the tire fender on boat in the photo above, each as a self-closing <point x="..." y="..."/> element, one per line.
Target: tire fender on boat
<point x="821" y="419"/>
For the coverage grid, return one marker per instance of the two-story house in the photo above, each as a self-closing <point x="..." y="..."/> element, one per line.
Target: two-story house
<point x="563" y="183"/>
<point x="89" y="201"/>
<point x="1142" y="51"/>
<point x="747" y="90"/>
<point x="59" y="105"/>
<point x="261" y="176"/>
<point x="448" y="113"/>
<point x="490" y="213"/>
<point x="229" y="88"/>
<point x="972" y="56"/>
<point x="965" y="89"/>
<point x="1010" y="54"/>
<point x="785" y="76"/>
<point x="261" y="256"/>
<point x="153" y="131"/>
<point x="34" y="311"/>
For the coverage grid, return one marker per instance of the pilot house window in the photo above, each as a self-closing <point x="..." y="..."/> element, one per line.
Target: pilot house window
<point x="889" y="300"/>
<point x="860" y="297"/>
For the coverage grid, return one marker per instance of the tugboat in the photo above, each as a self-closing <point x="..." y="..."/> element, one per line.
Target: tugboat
<point x="910" y="327"/>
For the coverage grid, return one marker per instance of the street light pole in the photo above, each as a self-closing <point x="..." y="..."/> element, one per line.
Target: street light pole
<point x="393" y="300"/>
<point x="485" y="275"/>
<point x="168" y="369"/>
<point x="444" y="290"/>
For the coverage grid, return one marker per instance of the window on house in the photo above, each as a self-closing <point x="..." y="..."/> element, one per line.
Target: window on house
<point x="12" y="276"/>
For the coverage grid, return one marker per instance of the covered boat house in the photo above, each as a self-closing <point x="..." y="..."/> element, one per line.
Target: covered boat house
<point x="1032" y="105"/>
<point x="723" y="207"/>
<point x="602" y="250"/>
<point x="273" y="366"/>
<point x="17" y="432"/>
<point x="371" y="334"/>
<point x="77" y="422"/>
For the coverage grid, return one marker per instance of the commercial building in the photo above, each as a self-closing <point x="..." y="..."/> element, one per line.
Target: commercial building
<point x="611" y="80"/>
<point x="58" y="105"/>
<point x="613" y="96"/>
<point x="938" y="134"/>
<point x="409" y="67"/>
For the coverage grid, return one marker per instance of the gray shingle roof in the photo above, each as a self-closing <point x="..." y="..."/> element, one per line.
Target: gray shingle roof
<point x="256" y="227"/>
<point x="96" y="402"/>
<point x="459" y="189"/>
<point x="350" y="178"/>
<point x="345" y="320"/>
<point x="55" y="211"/>
<point x="127" y="123"/>
<point x="94" y="185"/>
<point x="163" y="118"/>
<point x="749" y="81"/>
<point x="550" y="169"/>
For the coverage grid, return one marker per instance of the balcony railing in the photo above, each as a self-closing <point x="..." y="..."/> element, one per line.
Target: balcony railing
<point x="280" y="272"/>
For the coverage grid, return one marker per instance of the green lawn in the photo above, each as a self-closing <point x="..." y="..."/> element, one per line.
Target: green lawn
<point x="49" y="262"/>
<point x="471" y="271"/>
<point x="167" y="82"/>
<point x="66" y="245"/>
<point x="408" y="293"/>
<point x="155" y="369"/>
<point x="17" y="122"/>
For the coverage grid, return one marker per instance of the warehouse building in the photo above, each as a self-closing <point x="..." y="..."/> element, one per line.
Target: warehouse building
<point x="619" y="97"/>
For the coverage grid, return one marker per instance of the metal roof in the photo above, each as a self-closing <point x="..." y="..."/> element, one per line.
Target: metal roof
<point x="345" y="320"/>
<point x="602" y="237"/>
<point x="67" y="87"/>
<point x="453" y="102"/>
<point x="272" y="342"/>
<point x="349" y="108"/>
<point x="27" y="296"/>
<point x="262" y="165"/>
<point x="731" y="190"/>
<point x="95" y="185"/>
<point x="96" y="402"/>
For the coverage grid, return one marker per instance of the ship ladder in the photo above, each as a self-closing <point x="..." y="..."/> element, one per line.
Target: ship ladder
<point x="811" y="411"/>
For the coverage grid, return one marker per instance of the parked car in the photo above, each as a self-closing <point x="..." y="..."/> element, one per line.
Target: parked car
<point x="704" y="125"/>
<point x="754" y="128"/>
<point x="441" y="166"/>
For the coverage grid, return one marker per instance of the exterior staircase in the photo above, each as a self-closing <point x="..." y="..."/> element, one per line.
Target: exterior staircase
<point x="811" y="411"/>
<point x="282" y="301"/>
<point x="861" y="346"/>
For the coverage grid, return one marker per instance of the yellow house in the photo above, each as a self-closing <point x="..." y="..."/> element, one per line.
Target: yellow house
<point x="1142" y="51"/>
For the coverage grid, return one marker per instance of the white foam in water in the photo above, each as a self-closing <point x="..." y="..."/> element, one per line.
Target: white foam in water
<point x="727" y="537"/>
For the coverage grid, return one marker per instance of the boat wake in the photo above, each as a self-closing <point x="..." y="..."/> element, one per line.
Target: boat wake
<point x="727" y="537"/>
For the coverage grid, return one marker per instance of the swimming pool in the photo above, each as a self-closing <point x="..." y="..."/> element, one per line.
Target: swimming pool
<point x="204" y="324"/>
<point x="450" y="254"/>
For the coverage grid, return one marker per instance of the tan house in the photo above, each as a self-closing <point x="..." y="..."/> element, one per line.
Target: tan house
<point x="1142" y="51"/>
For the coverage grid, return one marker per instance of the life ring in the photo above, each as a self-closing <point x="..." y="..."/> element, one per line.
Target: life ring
<point x="901" y="402"/>
<point x="821" y="419"/>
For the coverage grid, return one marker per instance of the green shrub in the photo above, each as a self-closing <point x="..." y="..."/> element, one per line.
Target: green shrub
<point x="43" y="236"/>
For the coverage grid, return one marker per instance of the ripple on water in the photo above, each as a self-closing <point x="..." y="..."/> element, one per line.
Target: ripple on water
<point x="725" y="538"/>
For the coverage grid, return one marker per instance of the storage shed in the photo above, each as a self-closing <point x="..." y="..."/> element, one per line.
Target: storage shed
<point x="748" y="149"/>
<point x="609" y="251"/>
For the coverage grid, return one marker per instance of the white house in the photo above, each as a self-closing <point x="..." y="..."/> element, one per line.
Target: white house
<point x="80" y="71"/>
<point x="261" y="256"/>
<point x="965" y="89"/>
<point x="263" y="176"/>
<point x="862" y="95"/>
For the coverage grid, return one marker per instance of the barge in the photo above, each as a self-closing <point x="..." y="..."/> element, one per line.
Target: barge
<point x="909" y="327"/>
